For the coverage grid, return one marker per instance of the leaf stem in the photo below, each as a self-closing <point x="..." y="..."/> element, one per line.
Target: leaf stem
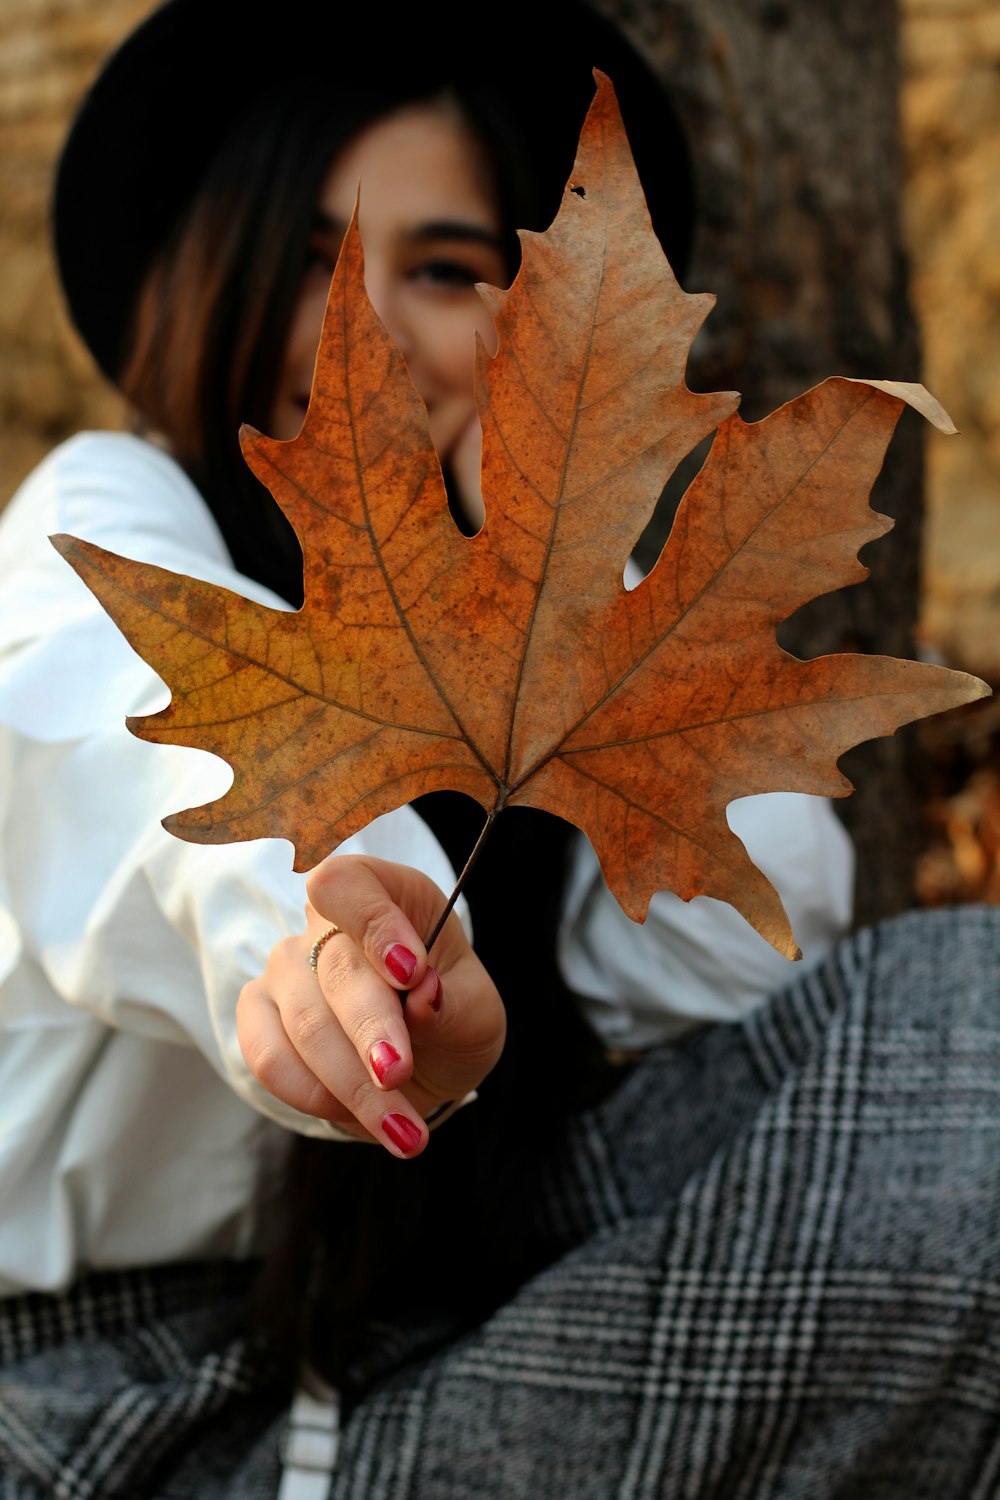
<point x="491" y="818"/>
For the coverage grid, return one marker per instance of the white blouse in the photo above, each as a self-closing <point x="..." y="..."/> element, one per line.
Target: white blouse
<point x="131" y="1131"/>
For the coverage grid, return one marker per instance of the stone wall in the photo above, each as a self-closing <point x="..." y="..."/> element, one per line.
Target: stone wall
<point x="48" y="51"/>
<point x="951" y="117"/>
<point x="951" y="114"/>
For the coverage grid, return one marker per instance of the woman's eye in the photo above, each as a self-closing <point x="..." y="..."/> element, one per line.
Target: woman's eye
<point x="446" y="274"/>
<point x="320" y="261"/>
<point x="318" y="264"/>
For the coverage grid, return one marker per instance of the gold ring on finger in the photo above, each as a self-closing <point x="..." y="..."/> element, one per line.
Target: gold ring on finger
<point x="319" y="945"/>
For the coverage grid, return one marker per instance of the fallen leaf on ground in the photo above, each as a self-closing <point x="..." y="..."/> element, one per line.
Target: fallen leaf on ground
<point x="514" y="665"/>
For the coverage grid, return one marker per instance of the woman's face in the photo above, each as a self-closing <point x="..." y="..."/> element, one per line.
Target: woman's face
<point x="430" y="230"/>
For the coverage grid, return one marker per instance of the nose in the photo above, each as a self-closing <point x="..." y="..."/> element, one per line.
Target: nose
<point x="385" y="299"/>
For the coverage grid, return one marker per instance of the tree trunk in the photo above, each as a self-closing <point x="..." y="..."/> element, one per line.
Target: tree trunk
<point x="791" y="112"/>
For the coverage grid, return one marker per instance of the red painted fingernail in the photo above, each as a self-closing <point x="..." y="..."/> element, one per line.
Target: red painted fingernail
<point x="401" y="963"/>
<point x="435" y="1001"/>
<point x="382" y="1056"/>
<point x="402" y="1132"/>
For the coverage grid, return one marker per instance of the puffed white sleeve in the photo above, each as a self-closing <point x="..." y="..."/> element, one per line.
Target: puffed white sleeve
<point x="701" y="961"/>
<point x="149" y="934"/>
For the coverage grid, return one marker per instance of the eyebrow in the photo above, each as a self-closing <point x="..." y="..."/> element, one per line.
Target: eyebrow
<point x="434" y="229"/>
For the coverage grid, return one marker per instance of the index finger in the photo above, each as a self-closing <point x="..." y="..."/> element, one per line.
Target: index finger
<point x="360" y="895"/>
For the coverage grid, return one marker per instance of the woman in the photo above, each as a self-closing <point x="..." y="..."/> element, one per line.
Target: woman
<point x="200" y="199"/>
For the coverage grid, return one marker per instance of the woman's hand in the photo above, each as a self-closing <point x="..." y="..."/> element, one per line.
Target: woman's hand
<point x="345" y="1044"/>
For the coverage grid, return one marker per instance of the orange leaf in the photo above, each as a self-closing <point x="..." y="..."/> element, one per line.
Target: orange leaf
<point x="514" y="665"/>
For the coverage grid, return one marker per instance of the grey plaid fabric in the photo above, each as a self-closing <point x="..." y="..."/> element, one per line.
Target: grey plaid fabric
<point x="775" y="1276"/>
<point x="106" y="1391"/>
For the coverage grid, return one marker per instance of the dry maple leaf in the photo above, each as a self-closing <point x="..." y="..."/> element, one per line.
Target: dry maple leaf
<point x="514" y="665"/>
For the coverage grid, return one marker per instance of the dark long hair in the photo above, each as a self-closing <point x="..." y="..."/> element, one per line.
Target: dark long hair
<point x="440" y="1240"/>
<point x="205" y="348"/>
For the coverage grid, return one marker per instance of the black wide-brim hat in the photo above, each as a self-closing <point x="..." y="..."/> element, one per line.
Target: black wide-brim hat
<point x="164" y="101"/>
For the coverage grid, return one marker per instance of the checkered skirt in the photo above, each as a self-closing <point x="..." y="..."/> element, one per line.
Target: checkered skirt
<point x="775" y="1275"/>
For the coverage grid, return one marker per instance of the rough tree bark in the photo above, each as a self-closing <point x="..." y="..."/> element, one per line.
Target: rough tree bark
<point x="791" y="112"/>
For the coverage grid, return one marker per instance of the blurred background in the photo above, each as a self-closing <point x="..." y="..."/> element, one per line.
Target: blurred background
<point x="847" y="162"/>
